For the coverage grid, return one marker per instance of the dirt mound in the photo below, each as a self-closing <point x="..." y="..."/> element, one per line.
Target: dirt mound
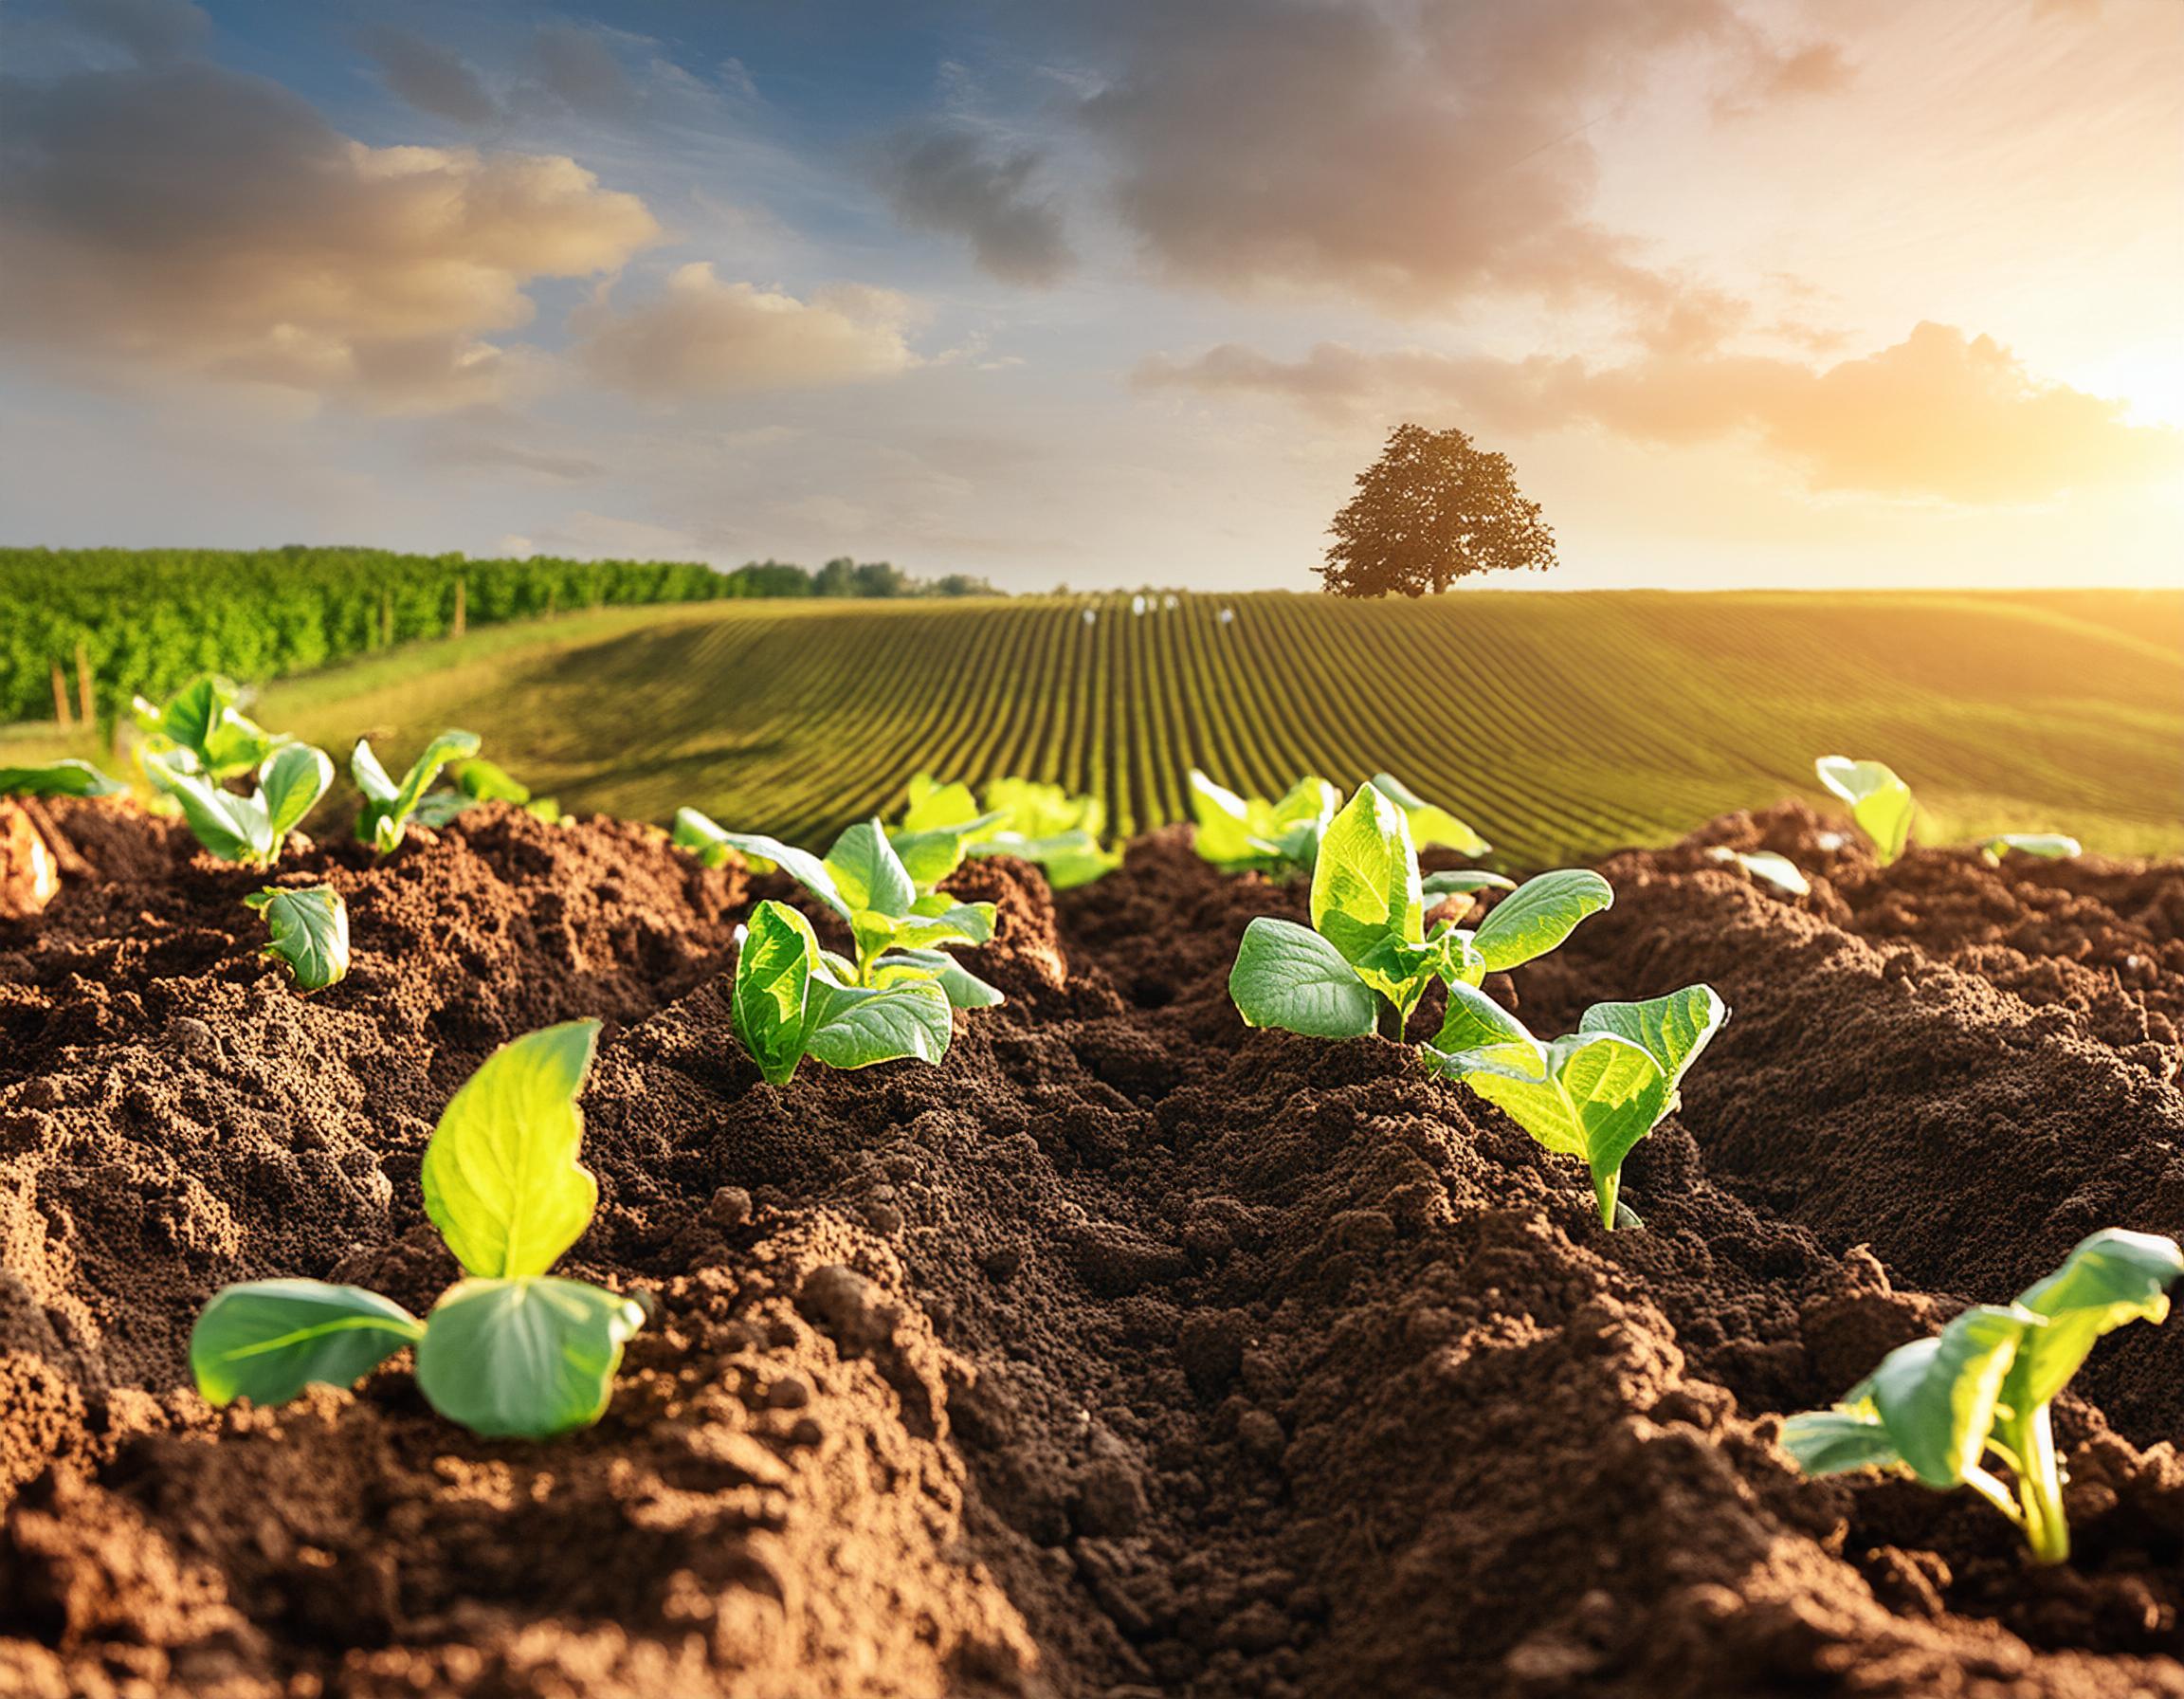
<point x="1130" y="1352"/>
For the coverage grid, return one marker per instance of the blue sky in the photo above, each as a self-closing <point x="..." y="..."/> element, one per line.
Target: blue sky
<point x="1752" y="291"/>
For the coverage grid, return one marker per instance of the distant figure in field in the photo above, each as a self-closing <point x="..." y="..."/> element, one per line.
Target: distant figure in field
<point x="1433" y="508"/>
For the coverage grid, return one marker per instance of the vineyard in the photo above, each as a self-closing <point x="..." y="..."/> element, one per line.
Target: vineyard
<point x="1556" y="724"/>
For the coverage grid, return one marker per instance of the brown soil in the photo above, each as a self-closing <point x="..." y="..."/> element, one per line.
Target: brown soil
<point x="1130" y="1353"/>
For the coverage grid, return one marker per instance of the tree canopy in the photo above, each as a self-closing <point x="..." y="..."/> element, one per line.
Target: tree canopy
<point x="1433" y="508"/>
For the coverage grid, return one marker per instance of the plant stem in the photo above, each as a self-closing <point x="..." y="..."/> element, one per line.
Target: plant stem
<point x="1392" y="1022"/>
<point x="1605" y="1186"/>
<point x="2039" y="1486"/>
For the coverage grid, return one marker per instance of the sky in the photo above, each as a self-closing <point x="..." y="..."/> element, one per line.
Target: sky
<point x="1856" y="293"/>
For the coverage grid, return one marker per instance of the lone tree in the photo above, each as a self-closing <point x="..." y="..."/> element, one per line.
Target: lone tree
<point x="1433" y="508"/>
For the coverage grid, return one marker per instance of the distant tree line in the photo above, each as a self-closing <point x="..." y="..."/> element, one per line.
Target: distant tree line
<point x="82" y="630"/>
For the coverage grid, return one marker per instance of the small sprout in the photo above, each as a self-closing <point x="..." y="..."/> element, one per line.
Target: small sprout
<point x="1367" y="958"/>
<point x="310" y="930"/>
<point x="59" y="778"/>
<point x="1243" y="834"/>
<point x="480" y="780"/>
<point x="1463" y="881"/>
<point x="388" y="806"/>
<point x="1766" y="867"/>
<point x="251" y="829"/>
<point x="793" y="999"/>
<point x="1880" y="802"/>
<point x="1034" y="822"/>
<point x="508" y="1351"/>
<point x="1593" y="1094"/>
<point x="1936" y="1407"/>
<point x="2047" y="846"/>
<point x="201" y="731"/>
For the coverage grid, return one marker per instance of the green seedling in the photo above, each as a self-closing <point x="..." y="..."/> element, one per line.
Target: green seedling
<point x="1593" y="1094"/>
<point x="1766" y="867"/>
<point x="201" y="731"/>
<point x="1034" y="822"/>
<point x="1366" y="959"/>
<point x="251" y="829"/>
<point x="388" y="807"/>
<point x="480" y="780"/>
<point x="59" y="778"/>
<point x="1937" y="1408"/>
<point x="793" y="999"/>
<point x="883" y="890"/>
<point x="1242" y="834"/>
<point x="310" y="932"/>
<point x="2047" y="845"/>
<point x="1880" y="802"/>
<point x="508" y="1351"/>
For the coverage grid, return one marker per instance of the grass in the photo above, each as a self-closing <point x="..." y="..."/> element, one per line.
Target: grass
<point x="1559" y="725"/>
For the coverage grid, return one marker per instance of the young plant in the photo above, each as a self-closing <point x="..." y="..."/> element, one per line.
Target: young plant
<point x="1939" y="1407"/>
<point x="251" y="829"/>
<point x="883" y="890"/>
<point x="507" y="1351"/>
<point x="480" y="780"/>
<point x="388" y="807"/>
<point x="1242" y="834"/>
<point x="793" y="999"/>
<point x="57" y="779"/>
<point x="201" y="731"/>
<point x="1034" y="822"/>
<point x="1880" y="802"/>
<point x="1593" y="1094"/>
<point x="1366" y="959"/>
<point x="2047" y="845"/>
<point x="310" y="932"/>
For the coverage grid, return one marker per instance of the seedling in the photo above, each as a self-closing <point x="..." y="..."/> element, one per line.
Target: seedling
<point x="388" y="806"/>
<point x="480" y="780"/>
<point x="1766" y="867"/>
<point x="59" y="778"/>
<point x="310" y="932"/>
<point x="201" y="731"/>
<point x="1034" y="822"/>
<point x="883" y="889"/>
<point x="793" y="999"/>
<point x="1593" y="1094"/>
<point x="251" y="829"/>
<point x="1880" y="802"/>
<point x="507" y="1351"/>
<point x="1241" y="834"/>
<point x="1937" y="1407"/>
<point x="2047" y="846"/>
<point x="1366" y="959"/>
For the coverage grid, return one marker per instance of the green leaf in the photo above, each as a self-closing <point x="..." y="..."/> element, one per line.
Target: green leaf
<point x="266" y="1340"/>
<point x="771" y="1004"/>
<point x="933" y="805"/>
<point x="800" y="865"/>
<point x="930" y="856"/>
<point x="447" y="747"/>
<point x="2047" y="846"/>
<point x="1430" y="827"/>
<point x="1672" y="1029"/>
<point x="233" y="828"/>
<point x="202" y="721"/>
<point x="1287" y="976"/>
<point x="854" y="1026"/>
<point x="370" y="776"/>
<point x="1538" y="915"/>
<point x="940" y="919"/>
<point x="1222" y="821"/>
<point x="2113" y="1277"/>
<point x="1517" y="1076"/>
<point x="695" y="831"/>
<point x="1475" y="1021"/>
<point x="868" y="873"/>
<point x="1296" y="823"/>
<point x="57" y="779"/>
<point x="501" y="1179"/>
<point x="524" y="1359"/>
<point x="290" y="784"/>
<point x="1462" y="882"/>
<point x="310" y="932"/>
<point x="964" y="988"/>
<point x="1880" y="802"/>
<point x="1069" y="859"/>
<point x="1937" y="1396"/>
<point x="1832" y="1442"/>
<point x="1365" y="884"/>
<point x="483" y="781"/>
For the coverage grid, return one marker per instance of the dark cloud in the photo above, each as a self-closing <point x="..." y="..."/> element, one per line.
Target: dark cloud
<point x="1417" y="156"/>
<point x="944" y="177"/>
<point x="432" y="78"/>
<point x="1940" y="415"/>
<point x="155" y="32"/>
<point x="198" y="221"/>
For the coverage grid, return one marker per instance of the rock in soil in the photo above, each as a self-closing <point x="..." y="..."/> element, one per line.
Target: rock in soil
<point x="1129" y="1352"/>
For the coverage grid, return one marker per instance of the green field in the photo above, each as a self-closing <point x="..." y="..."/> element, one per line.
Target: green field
<point x="1558" y="724"/>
